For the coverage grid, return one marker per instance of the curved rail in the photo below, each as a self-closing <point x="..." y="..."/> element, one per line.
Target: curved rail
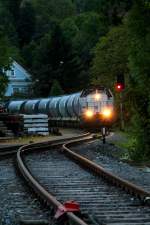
<point x="37" y="187"/>
<point x="9" y="150"/>
<point x="51" y="200"/>
<point x="101" y="171"/>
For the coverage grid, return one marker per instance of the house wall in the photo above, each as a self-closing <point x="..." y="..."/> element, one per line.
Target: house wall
<point x="19" y="79"/>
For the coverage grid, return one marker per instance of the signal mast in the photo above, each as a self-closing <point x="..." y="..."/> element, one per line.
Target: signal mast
<point x="119" y="87"/>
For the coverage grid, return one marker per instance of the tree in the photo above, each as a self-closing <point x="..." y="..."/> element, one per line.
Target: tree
<point x="13" y="6"/>
<point x="3" y="84"/>
<point x="84" y="31"/>
<point x="56" y="89"/>
<point x="110" y="57"/>
<point x="113" y="10"/>
<point x="4" y="62"/>
<point x="7" y="23"/>
<point x="56" y="59"/>
<point x="57" y="9"/>
<point x="139" y="64"/>
<point x="41" y="67"/>
<point x="91" y="27"/>
<point x="26" y="23"/>
<point x="50" y="12"/>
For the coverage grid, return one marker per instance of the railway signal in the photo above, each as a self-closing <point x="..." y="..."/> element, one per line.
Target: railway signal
<point x="120" y="86"/>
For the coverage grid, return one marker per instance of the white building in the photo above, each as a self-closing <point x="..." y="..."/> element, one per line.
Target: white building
<point x="19" y="80"/>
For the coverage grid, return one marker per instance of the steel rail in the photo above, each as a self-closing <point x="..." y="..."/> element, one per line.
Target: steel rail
<point x="37" y="187"/>
<point x="12" y="149"/>
<point x="9" y="150"/>
<point x="101" y="171"/>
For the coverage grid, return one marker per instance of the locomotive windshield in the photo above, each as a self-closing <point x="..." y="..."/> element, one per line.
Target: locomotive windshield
<point x="96" y="90"/>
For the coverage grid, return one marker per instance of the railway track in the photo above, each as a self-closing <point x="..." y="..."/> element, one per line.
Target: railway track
<point x="16" y="204"/>
<point x="56" y="179"/>
<point x="9" y="150"/>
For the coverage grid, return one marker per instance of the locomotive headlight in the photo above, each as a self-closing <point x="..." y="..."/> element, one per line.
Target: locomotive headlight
<point x="97" y="96"/>
<point x="107" y="112"/>
<point x="89" y="113"/>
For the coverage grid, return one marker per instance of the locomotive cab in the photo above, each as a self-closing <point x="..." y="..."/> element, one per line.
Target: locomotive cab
<point x="96" y="107"/>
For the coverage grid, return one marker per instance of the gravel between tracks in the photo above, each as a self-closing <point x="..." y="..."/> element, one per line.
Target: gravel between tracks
<point x="103" y="154"/>
<point x="16" y="201"/>
<point x="68" y="181"/>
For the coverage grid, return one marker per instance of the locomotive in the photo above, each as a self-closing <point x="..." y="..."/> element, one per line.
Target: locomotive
<point x="92" y="107"/>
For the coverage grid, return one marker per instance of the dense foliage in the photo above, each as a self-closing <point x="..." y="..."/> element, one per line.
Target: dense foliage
<point x="4" y="62"/>
<point x="139" y="65"/>
<point x="111" y="57"/>
<point x="56" y="89"/>
<point x="69" y="44"/>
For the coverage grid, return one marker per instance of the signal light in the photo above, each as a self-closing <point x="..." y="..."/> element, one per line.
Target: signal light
<point x="120" y="84"/>
<point x="119" y="87"/>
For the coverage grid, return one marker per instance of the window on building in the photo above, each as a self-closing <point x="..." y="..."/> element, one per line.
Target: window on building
<point x="12" y="73"/>
<point x="16" y="90"/>
<point x="24" y="89"/>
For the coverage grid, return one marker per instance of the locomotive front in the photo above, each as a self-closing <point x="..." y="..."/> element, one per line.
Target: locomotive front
<point x="97" y="107"/>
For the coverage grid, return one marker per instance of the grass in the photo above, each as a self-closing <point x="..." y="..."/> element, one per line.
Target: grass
<point x="26" y="140"/>
<point x="127" y="142"/>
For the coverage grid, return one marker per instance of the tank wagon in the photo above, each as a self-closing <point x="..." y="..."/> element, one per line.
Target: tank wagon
<point x="92" y="107"/>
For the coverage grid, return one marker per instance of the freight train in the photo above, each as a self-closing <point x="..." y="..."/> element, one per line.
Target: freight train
<point x="92" y="107"/>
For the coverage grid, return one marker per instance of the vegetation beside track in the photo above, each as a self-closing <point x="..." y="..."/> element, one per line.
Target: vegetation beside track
<point x="36" y="138"/>
<point x="127" y="142"/>
<point x="26" y="139"/>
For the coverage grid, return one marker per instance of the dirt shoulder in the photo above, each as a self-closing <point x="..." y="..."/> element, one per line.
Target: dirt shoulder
<point x="65" y="133"/>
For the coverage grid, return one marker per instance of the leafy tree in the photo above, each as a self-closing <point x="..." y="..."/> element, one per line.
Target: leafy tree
<point x="41" y="67"/>
<point x="7" y="23"/>
<point x="13" y="6"/>
<point x="4" y="62"/>
<point x="55" y="59"/>
<point x="27" y="53"/>
<point x="113" y="10"/>
<point x="26" y="23"/>
<point x="73" y="77"/>
<point x="48" y="13"/>
<point x="70" y="29"/>
<point x="56" y="89"/>
<point x="139" y="64"/>
<point x="84" y="31"/>
<point x="91" y="27"/>
<point x="110" y="57"/>
<point x="3" y="84"/>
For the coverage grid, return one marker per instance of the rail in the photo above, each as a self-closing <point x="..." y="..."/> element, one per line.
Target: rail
<point x="37" y="187"/>
<point x="101" y="171"/>
<point x="97" y="169"/>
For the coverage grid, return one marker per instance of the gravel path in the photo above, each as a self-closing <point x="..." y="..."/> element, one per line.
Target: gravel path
<point x="104" y="155"/>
